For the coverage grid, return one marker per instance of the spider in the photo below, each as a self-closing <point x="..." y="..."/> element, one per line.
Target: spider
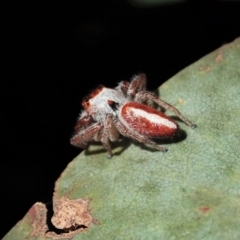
<point x="109" y="113"/>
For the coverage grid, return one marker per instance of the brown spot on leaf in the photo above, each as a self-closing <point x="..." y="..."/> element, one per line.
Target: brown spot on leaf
<point x="205" y="69"/>
<point x="38" y="216"/>
<point x="204" y="209"/>
<point x="180" y="100"/>
<point x="71" y="216"/>
<point x="219" y="57"/>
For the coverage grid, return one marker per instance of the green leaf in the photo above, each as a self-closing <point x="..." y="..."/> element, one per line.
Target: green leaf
<point x="190" y="192"/>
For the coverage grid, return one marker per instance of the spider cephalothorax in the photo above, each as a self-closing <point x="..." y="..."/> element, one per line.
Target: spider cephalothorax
<point x="110" y="112"/>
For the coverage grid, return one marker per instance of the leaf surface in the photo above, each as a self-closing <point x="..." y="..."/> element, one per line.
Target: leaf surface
<point x="190" y="192"/>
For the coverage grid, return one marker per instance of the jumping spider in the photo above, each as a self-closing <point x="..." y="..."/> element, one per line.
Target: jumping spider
<point x="124" y="110"/>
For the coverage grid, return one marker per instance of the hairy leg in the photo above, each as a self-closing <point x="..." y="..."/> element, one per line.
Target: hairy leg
<point x="109" y="132"/>
<point x="123" y="87"/>
<point x="81" y="138"/>
<point x="136" y="136"/>
<point x="83" y="122"/>
<point x="145" y="95"/>
<point x="137" y="84"/>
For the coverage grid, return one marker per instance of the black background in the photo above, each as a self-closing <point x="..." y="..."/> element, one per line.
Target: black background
<point x="56" y="54"/>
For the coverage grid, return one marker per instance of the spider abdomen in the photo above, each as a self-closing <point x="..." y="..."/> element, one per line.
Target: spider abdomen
<point x="147" y="121"/>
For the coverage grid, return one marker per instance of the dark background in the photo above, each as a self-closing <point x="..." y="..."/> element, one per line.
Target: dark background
<point x="56" y="54"/>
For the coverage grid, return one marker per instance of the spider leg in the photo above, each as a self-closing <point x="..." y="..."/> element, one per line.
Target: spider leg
<point x="81" y="138"/>
<point x="137" y="84"/>
<point x="145" y="95"/>
<point x="109" y="132"/>
<point x="136" y="136"/>
<point x="83" y="122"/>
<point x="123" y="87"/>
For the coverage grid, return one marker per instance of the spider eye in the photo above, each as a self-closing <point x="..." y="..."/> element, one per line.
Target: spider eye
<point x="113" y="105"/>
